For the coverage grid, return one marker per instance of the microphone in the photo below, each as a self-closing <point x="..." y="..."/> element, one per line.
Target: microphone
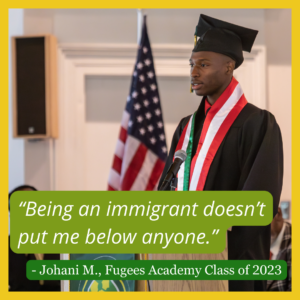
<point x="180" y="157"/>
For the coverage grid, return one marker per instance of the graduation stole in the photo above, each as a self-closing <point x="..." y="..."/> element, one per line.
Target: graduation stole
<point x="216" y="125"/>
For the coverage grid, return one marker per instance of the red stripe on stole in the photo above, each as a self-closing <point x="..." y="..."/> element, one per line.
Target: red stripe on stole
<point x="181" y="139"/>
<point x="117" y="164"/>
<point x="123" y="135"/>
<point x="134" y="167"/>
<point x="155" y="174"/>
<point x="193" y="163"/>
<point x="218" y="140"/>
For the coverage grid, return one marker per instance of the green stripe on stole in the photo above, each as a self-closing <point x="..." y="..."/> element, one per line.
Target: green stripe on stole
<point x="187" y="163"/>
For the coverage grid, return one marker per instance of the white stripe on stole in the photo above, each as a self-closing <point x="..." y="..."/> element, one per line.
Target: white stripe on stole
<point x="184" y="147"/>
<point x="211" y="133"/>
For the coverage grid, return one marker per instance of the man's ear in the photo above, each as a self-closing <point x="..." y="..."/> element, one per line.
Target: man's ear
<point x="230" y="67"/>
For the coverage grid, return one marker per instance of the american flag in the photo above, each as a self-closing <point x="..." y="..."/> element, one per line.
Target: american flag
<point x="141" y="149"/>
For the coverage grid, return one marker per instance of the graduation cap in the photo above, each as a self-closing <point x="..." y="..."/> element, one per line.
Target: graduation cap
<point x="223" y="37"/>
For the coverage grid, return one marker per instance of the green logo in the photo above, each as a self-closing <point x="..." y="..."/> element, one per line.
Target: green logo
<point x="104" y="285"/>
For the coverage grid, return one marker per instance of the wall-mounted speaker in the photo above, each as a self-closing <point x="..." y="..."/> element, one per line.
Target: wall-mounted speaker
<point x="34" y="71"/>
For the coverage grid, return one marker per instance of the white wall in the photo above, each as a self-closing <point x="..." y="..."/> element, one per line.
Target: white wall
<point x="169" y="26"/>
<point x="120" y="25"/>
<point x="279" y="71"/>
<point x="16" y="146"/>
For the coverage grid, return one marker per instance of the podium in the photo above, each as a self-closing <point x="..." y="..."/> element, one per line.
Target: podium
<point x="186" y="285"/>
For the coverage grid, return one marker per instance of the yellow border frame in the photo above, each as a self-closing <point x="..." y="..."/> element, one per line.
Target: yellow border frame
<point x="147" y="4"/>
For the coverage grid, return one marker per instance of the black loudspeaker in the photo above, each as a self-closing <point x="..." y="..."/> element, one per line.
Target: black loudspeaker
<point x="34" y="70"/>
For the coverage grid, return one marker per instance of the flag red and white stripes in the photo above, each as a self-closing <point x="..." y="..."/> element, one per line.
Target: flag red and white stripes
<point x="135" y="167"/>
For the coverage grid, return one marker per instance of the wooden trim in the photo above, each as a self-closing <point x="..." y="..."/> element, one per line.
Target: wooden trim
<point x="140" y="284"/>
<point x="47" y="86"/>
<point x="53" y="87"/>
<point x="31" y="137"/>
<point x="31" y="36"/>
<point x="14" y="86"/>
<point x="129" y="50"/>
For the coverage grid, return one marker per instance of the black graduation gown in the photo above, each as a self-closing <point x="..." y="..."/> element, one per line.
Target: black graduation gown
<point x="250" y="157"/>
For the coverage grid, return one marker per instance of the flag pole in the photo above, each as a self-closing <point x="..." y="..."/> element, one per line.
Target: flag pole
<point x="140" y="15"/>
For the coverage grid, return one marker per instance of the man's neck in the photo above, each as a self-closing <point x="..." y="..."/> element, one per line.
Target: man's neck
<point x="214" y="97"/>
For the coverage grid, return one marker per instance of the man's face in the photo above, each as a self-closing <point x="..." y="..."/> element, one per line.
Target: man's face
<point x="209" y="72"/>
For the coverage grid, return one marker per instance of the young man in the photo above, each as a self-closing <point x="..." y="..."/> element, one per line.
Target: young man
<point x="230" y="143"/>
